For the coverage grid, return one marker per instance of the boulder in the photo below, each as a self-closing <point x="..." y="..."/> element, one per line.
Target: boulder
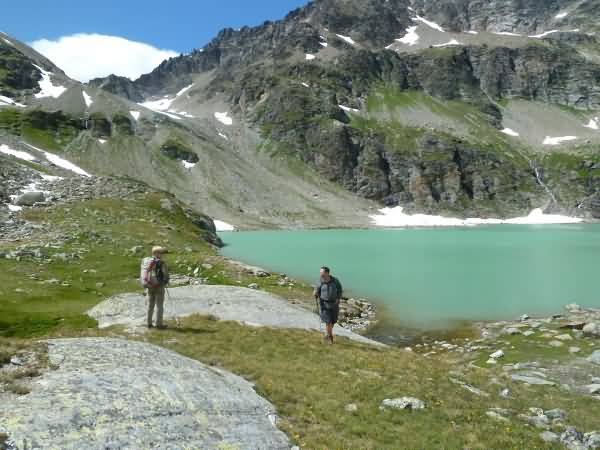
<point x="592" y="329"/>
<point x="30" y="198"/>
<point x="410" y="403"/>
<point x="112" y="393"/>
<point x="574" y="349"/>
<point x="555" y="343"/>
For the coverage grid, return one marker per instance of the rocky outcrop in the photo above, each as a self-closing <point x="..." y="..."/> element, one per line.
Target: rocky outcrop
<point x="110" y="393"/>
<point x="248" y="306"/>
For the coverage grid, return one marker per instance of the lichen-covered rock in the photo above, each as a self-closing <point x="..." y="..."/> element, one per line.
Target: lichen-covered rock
<point x="109" y="393"/>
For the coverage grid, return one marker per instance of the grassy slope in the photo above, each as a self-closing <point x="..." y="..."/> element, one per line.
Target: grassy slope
<point x="309" y="383"/>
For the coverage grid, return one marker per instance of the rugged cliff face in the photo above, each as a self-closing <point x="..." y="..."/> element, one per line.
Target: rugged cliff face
<point x="461" y="107"/>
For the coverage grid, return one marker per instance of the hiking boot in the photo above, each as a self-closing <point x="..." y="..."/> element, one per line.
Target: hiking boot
<point x="161" y="327"/>
<point x="150" y="325"/>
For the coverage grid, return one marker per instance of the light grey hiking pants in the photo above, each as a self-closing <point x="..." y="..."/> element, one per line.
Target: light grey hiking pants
<point x="156" y="296"/>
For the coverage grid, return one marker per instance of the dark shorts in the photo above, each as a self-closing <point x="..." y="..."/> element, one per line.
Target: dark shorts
<point x="329" y="313"/>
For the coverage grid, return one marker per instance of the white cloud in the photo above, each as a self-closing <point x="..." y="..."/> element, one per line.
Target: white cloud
<point x="86" y="56"/>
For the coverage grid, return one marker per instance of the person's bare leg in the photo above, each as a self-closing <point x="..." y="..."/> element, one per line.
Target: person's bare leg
<point x="330" y="332"/>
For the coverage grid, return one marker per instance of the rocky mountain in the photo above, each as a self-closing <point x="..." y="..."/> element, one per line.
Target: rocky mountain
<point x="456" y="107"/>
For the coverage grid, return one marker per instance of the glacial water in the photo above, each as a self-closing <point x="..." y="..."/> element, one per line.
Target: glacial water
<point x="431" y="278"/>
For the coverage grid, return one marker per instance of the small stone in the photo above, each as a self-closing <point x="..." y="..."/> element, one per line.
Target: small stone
<point x="496" y="416"/>
<point x="573" y="307"/>
<point x="532" y="380"/>
<point x="528" y="333"/>
<point x="564" y="337"/>
<point x="592" y="329"/>
<point x="505" y="393"/>
<point x="556" y="414"/>
<point x="572" y="439"/>
<point x="207" y="266"/>
<point x="574" y="349"/>
<point x="100" y="285"/>
<point x="16" y="361"/>
<point x="511" y="331"/>
<point x="595" y="357"/>
<point x="549" y="436"/>
<point x="593" y="388"/>
<point x="497" y="354"/>
<point x="410" y="403"/>
<point x="351" y="407"/>
<point x="592" y="440"/>
<point x="555" y="343"/>
<point x="524" y="317"/>
<point x="491" y="361"/>
<point x="253" y="286"/>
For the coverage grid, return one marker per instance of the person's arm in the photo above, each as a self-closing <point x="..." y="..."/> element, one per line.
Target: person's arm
<point x="316" y="291"/>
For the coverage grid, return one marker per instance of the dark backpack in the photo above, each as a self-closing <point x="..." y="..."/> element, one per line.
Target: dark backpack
<point x="160" y="276"/>
<point x="338" y="286"/>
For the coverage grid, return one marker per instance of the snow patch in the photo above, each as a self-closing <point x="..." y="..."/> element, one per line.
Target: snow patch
<point x="411" y="37"/>
<point x="184" y="90"/>
<point x="348" y="39"/>
<point x="348" y="109"/>
<point x="102" y="141"/>
<point x="593" y="123"/>
<point x="546" y="33"/>
<point x="8" y="42"/>
<point x="135" y="115"/>
<point x="509" y="132"/>
<point x="50" y="177"/>
<point x="47" y="89"/>
<point x="158" y="105"/>
<point x="429" y="23"/>
<point x="10" y="101"/>
<point x="395" y="217"/>
<point x="16" y="153"/>
<point x="472" y="32"/>
<point x="87" y="99"/>
<point x="223" y="226"/>
<point x="188" y="165"/>
<point x="60" y="162"/>
<point x="449" y="43"/>
<point x="168" y="114"/>
<point x="561" y="15"/>
<point x="310" y="57"/>
<point x="224" y="118"/>
<point x="507" y="33"/>
<point x="558" y="140"/>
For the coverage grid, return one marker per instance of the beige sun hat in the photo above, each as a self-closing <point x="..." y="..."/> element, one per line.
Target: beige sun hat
<point x="158" y="249"/>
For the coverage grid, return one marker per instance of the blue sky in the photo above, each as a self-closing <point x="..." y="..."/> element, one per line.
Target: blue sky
<point x="89" y="39"/>
<point x="179" y="25"/>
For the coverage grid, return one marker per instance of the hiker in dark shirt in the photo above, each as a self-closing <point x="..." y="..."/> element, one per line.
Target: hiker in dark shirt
<point x="328" y="293"/>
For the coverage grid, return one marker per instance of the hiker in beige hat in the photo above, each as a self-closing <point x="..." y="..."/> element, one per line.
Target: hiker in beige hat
<point x="154" y="278"/>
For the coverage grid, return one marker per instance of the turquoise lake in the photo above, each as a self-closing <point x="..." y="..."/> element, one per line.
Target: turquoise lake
<point x="431" y="278"/>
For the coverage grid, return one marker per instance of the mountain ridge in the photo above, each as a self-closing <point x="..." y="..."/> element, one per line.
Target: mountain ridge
<point x="493" y="121"/>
